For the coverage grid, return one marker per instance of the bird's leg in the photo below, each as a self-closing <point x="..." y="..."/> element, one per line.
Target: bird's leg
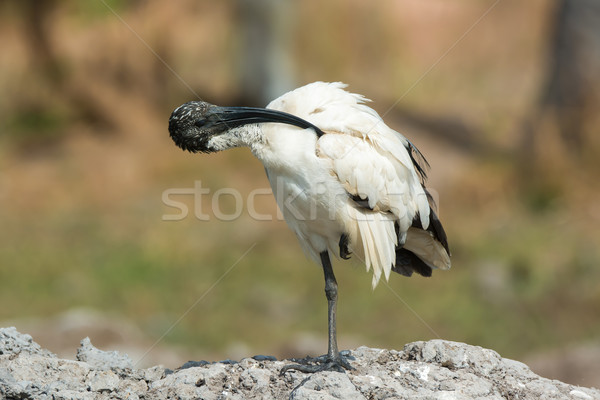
<point x="331" y="294"/>
<point x="334" y="360"/>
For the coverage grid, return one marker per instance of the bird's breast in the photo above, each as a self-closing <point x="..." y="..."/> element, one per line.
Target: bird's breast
<point x="308" y="195"/>
<point x="306" y="192"/>
<point x="311" y="204"/>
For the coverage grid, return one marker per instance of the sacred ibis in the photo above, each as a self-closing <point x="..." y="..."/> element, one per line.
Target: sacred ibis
<point x="346" y="183"/>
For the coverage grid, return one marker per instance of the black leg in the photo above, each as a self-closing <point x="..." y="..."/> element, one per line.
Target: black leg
<point x="333" y="361"/>
<point x="331" y="294"/>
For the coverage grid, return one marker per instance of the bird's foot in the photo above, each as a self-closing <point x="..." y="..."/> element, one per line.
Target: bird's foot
<point x="323" y="363"/>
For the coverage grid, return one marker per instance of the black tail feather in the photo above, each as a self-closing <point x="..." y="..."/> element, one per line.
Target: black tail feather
<point x="407" y="263"/>
<point x="435" y="227"/>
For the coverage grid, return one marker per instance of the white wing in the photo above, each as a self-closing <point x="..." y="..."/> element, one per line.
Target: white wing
<point x="374" y="165"/>
<point x="390" y="191"/>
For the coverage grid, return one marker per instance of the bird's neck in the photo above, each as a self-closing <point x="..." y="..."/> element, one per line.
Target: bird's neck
<point x="284" y="146"/>
<point x="243" y="136"/>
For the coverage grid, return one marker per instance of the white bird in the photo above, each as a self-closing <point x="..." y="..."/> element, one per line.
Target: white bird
<point x="345" y="182"/>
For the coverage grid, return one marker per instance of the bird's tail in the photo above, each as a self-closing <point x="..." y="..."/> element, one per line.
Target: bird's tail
<point x="421" y="253"/>
<point x="375" y="242"/>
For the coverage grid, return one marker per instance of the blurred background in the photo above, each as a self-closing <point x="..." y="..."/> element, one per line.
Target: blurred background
<point x="501" y="96"/>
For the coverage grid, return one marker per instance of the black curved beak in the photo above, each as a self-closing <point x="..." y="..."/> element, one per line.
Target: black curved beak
<point x="232" y="117"/>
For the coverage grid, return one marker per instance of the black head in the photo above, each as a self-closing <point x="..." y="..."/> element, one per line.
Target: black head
<point x="192" y="124"/>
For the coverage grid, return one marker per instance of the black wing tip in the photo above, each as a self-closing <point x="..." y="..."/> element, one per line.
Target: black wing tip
<point x="419" y="161"/>
<point x="407" y="263"/>
<point x="438" y="230"/>
<point x="435" y="228"/>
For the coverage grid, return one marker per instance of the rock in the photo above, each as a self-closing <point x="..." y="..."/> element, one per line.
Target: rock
<point x="327" y="385"/>
<point x="102" y="360"/>
<point x="102" y="381"/>
<point x="13" y="342"/>
<point x="436" y="369"/>
<point x="453" y="355"/>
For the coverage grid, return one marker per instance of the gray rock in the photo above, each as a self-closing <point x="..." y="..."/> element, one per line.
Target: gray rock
<point x="153" y="374"/>
<point x="13" y="342"/>
<point x="103" y="360"/>
<point x="326" y="386"/>
<point x="102" y="381"/>
<point x="436" y="369"/>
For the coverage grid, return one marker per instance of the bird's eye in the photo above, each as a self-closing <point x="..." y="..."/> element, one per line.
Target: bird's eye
<point x="200" y="123"/>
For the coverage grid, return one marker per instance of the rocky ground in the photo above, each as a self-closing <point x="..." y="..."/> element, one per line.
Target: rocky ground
<point x="435" y="369"/>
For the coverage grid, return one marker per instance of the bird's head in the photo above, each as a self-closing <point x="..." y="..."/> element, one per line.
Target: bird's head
<point x="198" y="126"/>
<point x="194" y="123"/>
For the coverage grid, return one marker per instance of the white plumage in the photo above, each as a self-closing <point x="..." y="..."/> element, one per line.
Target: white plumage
<point x="358" y="155"/>
<point x="345" y="182"/>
